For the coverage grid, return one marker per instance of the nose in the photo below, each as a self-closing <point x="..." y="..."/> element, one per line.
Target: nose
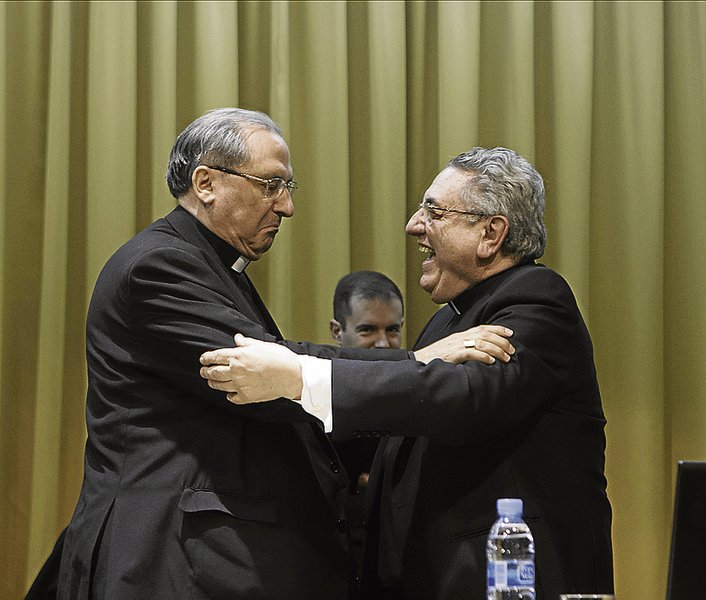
<point x="415" y="225"/>
<point x="284" y="206"/>
<point x="381" y="341"/>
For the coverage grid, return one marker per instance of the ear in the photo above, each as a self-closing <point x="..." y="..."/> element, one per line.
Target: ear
<point x="492" y="237"/>
<point x="336" y="330"/>
<point x="202" y="184"/>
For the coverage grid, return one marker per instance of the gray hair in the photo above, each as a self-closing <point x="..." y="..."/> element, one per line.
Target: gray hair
<point x="505" y="183"/>
<point x="219" y="137"/>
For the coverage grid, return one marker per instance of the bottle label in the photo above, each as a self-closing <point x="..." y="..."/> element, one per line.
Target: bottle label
<point x="511" y="573"/>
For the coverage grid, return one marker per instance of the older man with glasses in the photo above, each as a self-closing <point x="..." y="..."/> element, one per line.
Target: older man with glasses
<point x="186" y="495"/>
<point x="463" y="436"/>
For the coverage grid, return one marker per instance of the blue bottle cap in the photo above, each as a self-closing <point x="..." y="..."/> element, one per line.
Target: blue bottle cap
<point x="509" y="506"/>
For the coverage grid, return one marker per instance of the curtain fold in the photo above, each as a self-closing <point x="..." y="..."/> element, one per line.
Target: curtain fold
<point x="685" y="222"/>
<point x="52" y="295"/>
<point x="606" y="98"/>
<point x="565" y="75"/>
<point x="627" y="274"/>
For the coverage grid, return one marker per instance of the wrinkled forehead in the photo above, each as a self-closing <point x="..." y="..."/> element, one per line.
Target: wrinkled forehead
<point x="448" y="186"/>
<point x="268" y="151"/>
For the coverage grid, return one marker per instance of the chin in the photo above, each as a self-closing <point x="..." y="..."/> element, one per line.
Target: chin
<point x="437" y="294"/>
<point x="426" y="285"/>
<point x="436" y="299"/>
<point x="258" y="252"/>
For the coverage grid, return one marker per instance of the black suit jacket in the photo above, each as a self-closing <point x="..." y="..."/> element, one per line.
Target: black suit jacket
<point x="186" y="495"/>
<point x="531" y="429"/>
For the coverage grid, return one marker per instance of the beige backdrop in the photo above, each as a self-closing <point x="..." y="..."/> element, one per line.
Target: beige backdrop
<point x="607" y="98"/>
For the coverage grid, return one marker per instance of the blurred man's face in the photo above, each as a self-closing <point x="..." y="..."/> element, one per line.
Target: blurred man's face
<point x="243" y="212"/>
<point x="373" y="323"/>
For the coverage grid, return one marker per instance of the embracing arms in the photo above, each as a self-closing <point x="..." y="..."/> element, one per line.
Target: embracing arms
<point x="256" y="371"/>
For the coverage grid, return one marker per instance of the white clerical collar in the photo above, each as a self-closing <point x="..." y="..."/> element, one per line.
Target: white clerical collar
<point x="454" y="308"/>
<point x="239" y="265"/>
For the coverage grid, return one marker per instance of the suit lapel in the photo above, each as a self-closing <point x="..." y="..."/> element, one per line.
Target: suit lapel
<point x="440" y="325"/>
<point x="263" y="314"/>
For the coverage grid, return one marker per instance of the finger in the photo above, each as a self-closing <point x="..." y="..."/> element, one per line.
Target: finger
<point x="216" y="373"/>
<point x="491" y="349"/>
<point x="240" y="399"/>
<point x="222" y="386"/>
<point x="221" y="356"/>
<point x="497" y="329"/>
<point x="473" y="354"/>
<point x="241" y="340"/>
<point x="497" y="340"/>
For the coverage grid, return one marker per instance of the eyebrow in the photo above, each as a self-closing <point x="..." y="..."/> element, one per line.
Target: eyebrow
<point x="277" y="177"/>
<point x="372" y="326"/>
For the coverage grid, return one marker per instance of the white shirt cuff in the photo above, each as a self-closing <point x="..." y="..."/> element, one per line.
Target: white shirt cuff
<point x="316" y="389"/>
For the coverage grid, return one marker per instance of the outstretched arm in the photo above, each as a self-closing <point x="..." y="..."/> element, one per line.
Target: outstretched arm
<point x="255" y="371"/>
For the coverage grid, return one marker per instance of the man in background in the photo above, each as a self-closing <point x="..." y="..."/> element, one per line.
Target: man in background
<point x="368" y="312"/>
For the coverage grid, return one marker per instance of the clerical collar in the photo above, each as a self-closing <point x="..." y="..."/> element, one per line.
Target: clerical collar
<point x="229" y="255"/>
<point x="465" y="300"/>
<point x="454" y="308"/>
<point x="241" y="264"/>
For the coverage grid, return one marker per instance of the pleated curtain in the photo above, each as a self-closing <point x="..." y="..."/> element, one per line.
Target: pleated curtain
<point x="607" y="99"/>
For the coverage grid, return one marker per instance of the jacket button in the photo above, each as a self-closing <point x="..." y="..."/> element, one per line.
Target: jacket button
<point x="334" y="466"/>
<point x="341" y="525"/>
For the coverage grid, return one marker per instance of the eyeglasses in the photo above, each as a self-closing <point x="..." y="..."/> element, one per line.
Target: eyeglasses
<point x="432" y="212"/>
<point x="274" y="186"/>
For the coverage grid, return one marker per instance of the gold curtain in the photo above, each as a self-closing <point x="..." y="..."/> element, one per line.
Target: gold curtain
<point x="607" y="98"/>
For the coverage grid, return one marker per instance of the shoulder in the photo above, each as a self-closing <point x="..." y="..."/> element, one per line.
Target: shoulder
<point x="156" y="255"/>
<point x="158" y="242"/>
<point x="532" y="291"/>
<point x="530" y="272"/>
<point x="159" y="236"/>
<point x="533" y="279"/>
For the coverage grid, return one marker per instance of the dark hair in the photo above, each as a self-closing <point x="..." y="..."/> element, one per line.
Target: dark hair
<point x="362" y="284"/>
<point x="218" y="137"/>
<point x="502" y="182"/>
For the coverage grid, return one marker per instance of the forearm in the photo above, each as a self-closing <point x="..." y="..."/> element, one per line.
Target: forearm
<point x="452" y="404"/>
<point x="330" y="351"/>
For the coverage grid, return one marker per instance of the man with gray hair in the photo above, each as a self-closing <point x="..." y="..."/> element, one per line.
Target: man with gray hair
<point x="182" y="495"/>
<point x="186" y="495"/>
<point x="464" y="435"/>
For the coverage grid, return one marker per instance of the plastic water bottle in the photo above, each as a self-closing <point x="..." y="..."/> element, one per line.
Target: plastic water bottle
<point x="510" y="552"/>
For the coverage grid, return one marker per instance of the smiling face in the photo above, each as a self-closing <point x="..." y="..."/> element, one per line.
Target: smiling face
<point x="450" y="240"/>
<point x="372" y="323"/>
<point x="239" y="210"/>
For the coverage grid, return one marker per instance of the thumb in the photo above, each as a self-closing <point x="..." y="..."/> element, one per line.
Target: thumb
<point x="241" y="340"/>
